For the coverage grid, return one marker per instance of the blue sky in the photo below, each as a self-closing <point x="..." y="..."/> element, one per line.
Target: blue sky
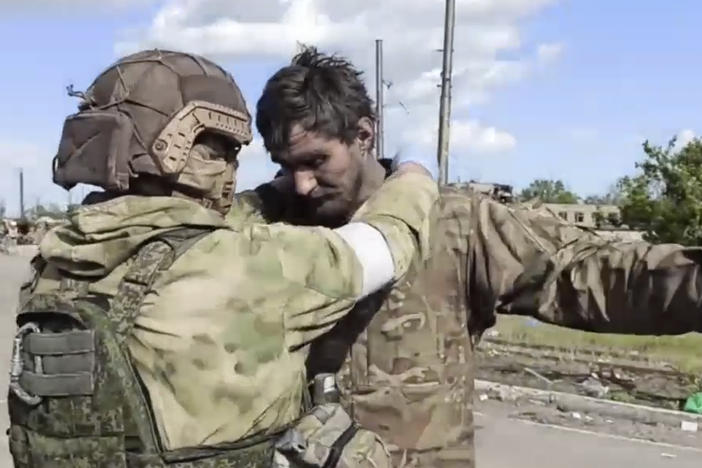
<point x="628" y="71"/>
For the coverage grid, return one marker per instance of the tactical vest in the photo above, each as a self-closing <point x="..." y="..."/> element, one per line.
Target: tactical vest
<point x="75" y="398"/>
<point x="408" y="375"/>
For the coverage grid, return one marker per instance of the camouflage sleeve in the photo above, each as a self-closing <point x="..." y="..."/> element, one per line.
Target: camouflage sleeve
<point x="529" y="262"/>
<point x="322" y="261"/>
<point x="262" y="205"/>
<point x="408" y="198"/>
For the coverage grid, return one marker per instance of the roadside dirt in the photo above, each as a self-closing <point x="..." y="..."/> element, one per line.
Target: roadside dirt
<point x="627" y="377"/>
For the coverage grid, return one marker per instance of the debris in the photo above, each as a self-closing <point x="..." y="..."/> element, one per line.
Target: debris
<point x="668" y="455"/>
<point x="576" y="416"/>
<point x="694" y="404"/>
<point x="493" y="334"/>
<point x="537" y="402"/>
<point x="688" y="426"/>
<point x="483" y="397"/>
<point x="504" y="394"/>
<point x="538" y="376"/>
<point x="593" y="387"/>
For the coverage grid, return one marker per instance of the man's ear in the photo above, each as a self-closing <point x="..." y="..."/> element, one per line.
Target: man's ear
<point x="366" y="135"/>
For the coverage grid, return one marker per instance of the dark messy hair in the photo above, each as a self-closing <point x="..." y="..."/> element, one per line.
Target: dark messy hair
<point x="323" y="93"/>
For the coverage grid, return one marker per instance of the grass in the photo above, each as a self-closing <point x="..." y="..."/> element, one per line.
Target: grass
<point x="684" y="351"/>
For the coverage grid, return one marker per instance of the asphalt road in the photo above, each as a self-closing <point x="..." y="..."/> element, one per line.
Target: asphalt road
<point x="13" y="271"/>
<point x="501" y="442"/>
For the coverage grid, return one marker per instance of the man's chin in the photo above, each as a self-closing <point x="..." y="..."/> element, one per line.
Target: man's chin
<point x="328" y="213"/>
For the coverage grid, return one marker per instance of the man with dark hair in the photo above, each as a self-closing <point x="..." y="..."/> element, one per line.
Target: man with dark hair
<point x="330" y="143"/>
<point x="409" y="366"/>
<point x="153" y="334"/>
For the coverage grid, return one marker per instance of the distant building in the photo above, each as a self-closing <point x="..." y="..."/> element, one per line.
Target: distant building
<point x="603" y="219"/>
<point x="592" y="216"/>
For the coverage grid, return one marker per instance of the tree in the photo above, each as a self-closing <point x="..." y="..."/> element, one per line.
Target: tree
<point x="612" y="197"/>
<point x="665" y="197"/>
<point x="2" y="209"/>
<point x="548" y="191"/>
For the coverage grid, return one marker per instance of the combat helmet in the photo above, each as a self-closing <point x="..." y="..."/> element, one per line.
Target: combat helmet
<point x="140" y="118"/>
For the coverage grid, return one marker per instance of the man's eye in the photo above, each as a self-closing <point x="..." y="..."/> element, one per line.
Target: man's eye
<point x="317" y="162"/>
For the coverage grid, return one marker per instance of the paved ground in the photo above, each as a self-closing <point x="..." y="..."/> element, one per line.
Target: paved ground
<point x="502" y="442"/>
<point x="13" y="271"/>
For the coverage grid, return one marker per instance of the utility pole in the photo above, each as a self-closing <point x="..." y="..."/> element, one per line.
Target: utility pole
<point x="379" y="150"/>
<point x="21" y="194"/>
<point x="445" y="106"/>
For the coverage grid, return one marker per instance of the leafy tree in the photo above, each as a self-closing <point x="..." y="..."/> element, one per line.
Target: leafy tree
<point x="612" y="197"/>
<point x="548" y="191"/>
<point x="606" y="220"/>
<point x="665" y="197"/>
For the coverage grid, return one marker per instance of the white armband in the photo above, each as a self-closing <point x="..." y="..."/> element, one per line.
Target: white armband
<point x="372" y="252"/>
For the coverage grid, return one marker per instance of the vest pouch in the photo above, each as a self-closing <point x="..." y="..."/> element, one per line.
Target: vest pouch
<point x="326" y="437"/>
<point x="65" y="404"/>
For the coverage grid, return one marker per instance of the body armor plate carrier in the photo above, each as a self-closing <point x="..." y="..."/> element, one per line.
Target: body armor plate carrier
<point x="75" y="399"/>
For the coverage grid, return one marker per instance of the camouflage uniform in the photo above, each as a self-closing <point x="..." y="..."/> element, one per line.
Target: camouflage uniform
<point x="409" y="373"/>
<point x="152" y="334"/>
<point x="234" y="311"/>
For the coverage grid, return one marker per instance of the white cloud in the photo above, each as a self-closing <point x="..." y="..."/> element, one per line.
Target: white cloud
<point x="28" y="4"/>
<point x="412" y="30"/>
<point x="472" y="136"/>
<point x="683" y="138"/>
<point x="466" y="135"/>
<point x="547" y="53"/>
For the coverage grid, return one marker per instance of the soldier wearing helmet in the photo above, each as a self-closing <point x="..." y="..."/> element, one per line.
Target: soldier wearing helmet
<point x="153" y="334"/>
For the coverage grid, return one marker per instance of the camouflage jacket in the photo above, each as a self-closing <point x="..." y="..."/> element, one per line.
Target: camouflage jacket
<point x="409" y="372"/>
<point x="220" y="339"/>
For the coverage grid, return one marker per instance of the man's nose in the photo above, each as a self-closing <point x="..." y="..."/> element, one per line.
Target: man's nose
<point x="305" y="183"/>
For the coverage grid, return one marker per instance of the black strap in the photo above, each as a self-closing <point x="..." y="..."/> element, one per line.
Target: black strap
<point x="338" y="446"/>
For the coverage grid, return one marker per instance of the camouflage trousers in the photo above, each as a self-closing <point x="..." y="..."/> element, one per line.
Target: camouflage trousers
<point x="427" y="427"/>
